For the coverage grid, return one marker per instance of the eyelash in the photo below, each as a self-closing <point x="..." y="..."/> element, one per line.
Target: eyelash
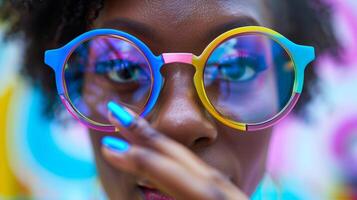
<point x="119" y="65"/>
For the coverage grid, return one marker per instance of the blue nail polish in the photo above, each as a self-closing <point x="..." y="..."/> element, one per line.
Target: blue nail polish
<point x="121" y="114"/>
<point x="115" y="144"/>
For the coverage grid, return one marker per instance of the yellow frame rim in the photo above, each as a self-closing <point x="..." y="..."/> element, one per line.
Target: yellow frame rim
<point x="199" y="63"/>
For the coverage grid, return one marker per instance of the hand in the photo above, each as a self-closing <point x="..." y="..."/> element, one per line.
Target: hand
<point x="168" y="165"/>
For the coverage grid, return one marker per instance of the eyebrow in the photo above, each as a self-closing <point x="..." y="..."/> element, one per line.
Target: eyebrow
<point x="150" y="32"/>
<point x="234" y="23"/>
<point x="134" y="26"/>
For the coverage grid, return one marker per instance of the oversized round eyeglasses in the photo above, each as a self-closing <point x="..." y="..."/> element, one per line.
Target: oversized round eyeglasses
<point x="247" y="78"/>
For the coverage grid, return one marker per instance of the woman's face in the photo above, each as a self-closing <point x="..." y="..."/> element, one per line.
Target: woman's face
<point x="187" y="26"/>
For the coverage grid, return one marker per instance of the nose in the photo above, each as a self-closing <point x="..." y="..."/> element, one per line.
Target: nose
<point x="178" y="112"/>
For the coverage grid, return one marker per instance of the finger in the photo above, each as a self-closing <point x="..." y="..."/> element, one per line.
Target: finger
<point x="138" y="131"/>
<point x="168" y="175"/>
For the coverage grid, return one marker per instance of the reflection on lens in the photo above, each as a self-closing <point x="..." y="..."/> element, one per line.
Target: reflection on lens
<point x="103" y="69"/>
<point x="249" y="78"/>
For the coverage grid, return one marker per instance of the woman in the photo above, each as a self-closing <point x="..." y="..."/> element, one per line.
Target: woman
<point x="180" y="150"/>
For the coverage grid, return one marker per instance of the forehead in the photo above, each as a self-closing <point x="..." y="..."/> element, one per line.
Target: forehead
<point x="181" y="20"/>
<point x="181" y="11"/>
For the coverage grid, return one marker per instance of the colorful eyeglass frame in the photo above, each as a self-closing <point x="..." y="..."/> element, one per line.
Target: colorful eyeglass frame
<point x="300" y="55"/>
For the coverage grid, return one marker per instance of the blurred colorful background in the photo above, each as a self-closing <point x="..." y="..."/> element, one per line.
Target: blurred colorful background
<point x="311" y="158"/>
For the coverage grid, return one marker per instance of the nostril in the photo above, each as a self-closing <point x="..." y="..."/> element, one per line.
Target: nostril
<point x="201" y="142"/>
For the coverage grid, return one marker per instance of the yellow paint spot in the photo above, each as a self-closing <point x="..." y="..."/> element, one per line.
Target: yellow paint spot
<point x="9" y="185"/>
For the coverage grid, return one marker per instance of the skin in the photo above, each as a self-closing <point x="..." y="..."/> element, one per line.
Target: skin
<point x="208" y="145"/>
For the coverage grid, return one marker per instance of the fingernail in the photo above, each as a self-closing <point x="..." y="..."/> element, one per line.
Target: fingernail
<point x="116" y="144"/>
<point x="124" y="117"/>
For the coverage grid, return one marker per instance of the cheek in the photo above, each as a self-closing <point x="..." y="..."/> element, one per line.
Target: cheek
<point x="251" y="151"/>
<point x="250" y="102"/>
<point x="117" y="185"/>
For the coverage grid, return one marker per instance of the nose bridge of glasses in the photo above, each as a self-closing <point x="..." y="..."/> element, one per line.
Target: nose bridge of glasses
<point x="186" y="58"/>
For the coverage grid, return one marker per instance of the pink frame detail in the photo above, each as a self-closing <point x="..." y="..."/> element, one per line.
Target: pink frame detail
<point x="177" y="58"/>
<point x="85" y="122"/>
<point x="280" y="116"/>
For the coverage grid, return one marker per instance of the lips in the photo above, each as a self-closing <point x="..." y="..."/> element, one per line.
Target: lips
<point x="153" y="194"/>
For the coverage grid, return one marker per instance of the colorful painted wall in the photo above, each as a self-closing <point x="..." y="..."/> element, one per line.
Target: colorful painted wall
<point x="314" y="158"/>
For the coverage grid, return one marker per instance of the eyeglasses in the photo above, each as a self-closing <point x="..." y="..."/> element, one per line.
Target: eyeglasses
<point x="247" y="78"/>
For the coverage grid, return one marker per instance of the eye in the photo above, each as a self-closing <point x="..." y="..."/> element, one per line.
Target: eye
<point x="236" y="69"/>
<point x="122" y="71"/>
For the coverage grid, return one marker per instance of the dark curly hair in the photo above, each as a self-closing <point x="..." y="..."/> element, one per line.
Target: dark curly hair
<point x="46" y="24"/>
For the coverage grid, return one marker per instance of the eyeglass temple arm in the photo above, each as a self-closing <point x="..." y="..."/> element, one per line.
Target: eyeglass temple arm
<point x="303" y="55"/>
<point x="54" y="59"/>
